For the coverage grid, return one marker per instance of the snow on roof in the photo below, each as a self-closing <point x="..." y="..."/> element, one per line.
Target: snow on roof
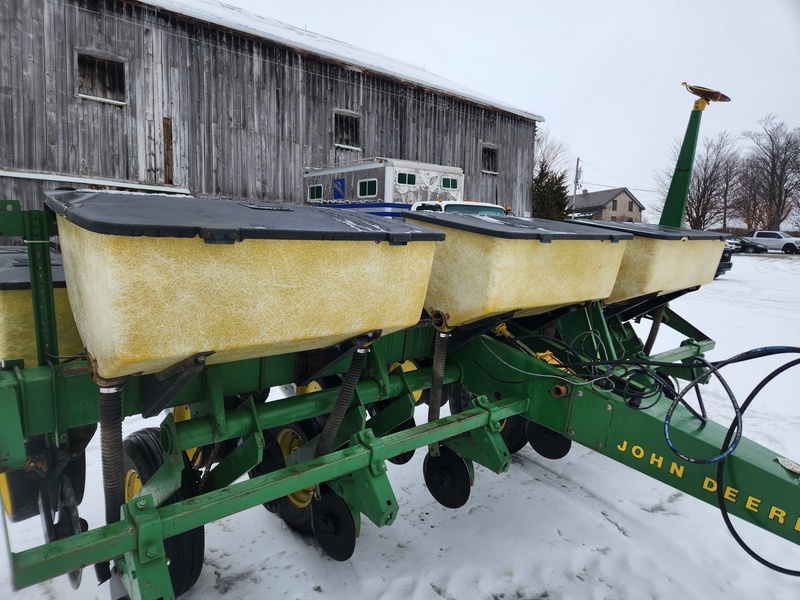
<point x="232" y="17"/>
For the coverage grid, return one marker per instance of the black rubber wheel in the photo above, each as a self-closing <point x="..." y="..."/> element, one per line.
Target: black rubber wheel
<point x="750" y="250"/>
<point x="789" y="249"/>
<point x="141" y="458"/>
<point x="295" y="508"/>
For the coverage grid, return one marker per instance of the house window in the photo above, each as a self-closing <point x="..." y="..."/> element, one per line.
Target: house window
<point x="630" y="205"/>
<point x="613" y="205"/>
<point x="489" y="160"/>
<point x="613" y="218"/>
<point x="449" y="183"/>
<point x="315" y="192"/>
<point x="367" y="188"/>
<point x="347" y="131"/>
<point x="101" y="79"/>
<point x="406" y="179"/>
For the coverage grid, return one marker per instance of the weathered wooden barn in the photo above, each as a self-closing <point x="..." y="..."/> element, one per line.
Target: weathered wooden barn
<point x="201" y="98"/>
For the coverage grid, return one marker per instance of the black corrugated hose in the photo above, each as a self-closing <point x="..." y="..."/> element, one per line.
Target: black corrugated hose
<point x="111" y="450"/>
<point x="342" y="403"/>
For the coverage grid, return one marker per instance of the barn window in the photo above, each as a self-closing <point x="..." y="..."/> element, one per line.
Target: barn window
<point x="489" y="160"/>
<point x="613" y="205"/>
<point x="406" y="179"/>
<point x="367" y="188"/>
<point x="347" y="131"/>
<point x="630" y="205"/>
<point x="101" y="79"/>
<point x="315" y="192"/>
<point x="449" y="183"/>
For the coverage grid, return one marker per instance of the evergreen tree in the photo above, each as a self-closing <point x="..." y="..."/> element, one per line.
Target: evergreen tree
<point x="549" y="194"/>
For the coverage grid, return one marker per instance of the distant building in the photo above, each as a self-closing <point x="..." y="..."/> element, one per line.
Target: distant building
<point x="617" y="204"/>
<point x="199" y="97"/>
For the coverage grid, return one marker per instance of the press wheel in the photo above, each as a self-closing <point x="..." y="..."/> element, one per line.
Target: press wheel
<point x="448" y="478"/>
<point x="142" y="456"/>
<point x="333" y="524"/>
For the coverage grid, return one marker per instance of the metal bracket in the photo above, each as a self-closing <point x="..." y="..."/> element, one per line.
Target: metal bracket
<point x="483" y="445"/>
<point x="358" y="343"/>
<point x="145" y="569"/>
<point x="246" y="456"/>
<point x="368" y="491"/>
<point x="159" y="389"/>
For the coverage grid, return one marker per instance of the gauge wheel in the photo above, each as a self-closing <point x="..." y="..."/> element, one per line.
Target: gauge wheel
<point x="512" y="429"/>
<point x="280" y="442"/>
<point x="142" y="456"/>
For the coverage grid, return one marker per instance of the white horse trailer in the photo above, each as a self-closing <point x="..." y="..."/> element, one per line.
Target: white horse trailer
<point x="382" y="186"/>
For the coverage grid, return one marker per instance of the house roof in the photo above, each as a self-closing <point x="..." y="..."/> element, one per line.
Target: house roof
<point x="237" y="19"/>
<point x="592" y="201"/>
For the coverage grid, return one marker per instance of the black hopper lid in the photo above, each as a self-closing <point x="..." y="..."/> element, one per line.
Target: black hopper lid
<point x="220" y="220"/>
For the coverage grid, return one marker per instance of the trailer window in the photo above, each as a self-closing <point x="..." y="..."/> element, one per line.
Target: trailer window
<point x="406" y="179"/>
<point x="315" y="192"/>
<point x="367" y="188"/>
<point x="101" y="79"/>
<point x="449" y="183"/>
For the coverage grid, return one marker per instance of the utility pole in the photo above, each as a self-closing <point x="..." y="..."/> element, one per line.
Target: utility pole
<point x="577" y="178"/>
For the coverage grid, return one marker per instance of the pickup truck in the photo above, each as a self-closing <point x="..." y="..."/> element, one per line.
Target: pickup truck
<point x="775" y="240"/>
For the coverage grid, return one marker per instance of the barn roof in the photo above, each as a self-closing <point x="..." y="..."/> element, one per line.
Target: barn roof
<point x="235" y="18"/>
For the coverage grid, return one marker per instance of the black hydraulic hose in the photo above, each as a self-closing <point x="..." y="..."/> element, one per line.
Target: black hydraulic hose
<point x="111" y="450"/>
<point x="342" y="403"/>
<point x="437" y="375"/>
<point x="721" y="472"/>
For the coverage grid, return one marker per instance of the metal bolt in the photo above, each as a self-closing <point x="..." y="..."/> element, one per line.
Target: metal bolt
<point x="152" y="551"/>
<point x="570" y="432"/>
<point x="141" y="504"/>
<point x="580" y="393"/>
<point x="609" y="407"/>
<point x="600" y="445"/>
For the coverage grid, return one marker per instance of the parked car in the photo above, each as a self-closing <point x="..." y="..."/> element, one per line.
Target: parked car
<point x="725" y="262"/>
<point x="747" y="246"/>
<point x="775" y="240"/>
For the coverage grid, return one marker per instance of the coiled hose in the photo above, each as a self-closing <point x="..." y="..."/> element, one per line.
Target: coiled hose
<point x="111" y="450"/>
<point x="342" y="403"/>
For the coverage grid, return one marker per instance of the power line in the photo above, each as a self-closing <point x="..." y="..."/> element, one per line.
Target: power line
<point x="633" y="189"/>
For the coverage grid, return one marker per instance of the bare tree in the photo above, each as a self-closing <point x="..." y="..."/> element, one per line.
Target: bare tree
<point x="773" y="172"/>
<point x="713" y="181"/>
<point x="553" y="152"/>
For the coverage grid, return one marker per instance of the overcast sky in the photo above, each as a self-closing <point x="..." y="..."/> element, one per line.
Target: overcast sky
<point x="605" y="75"/>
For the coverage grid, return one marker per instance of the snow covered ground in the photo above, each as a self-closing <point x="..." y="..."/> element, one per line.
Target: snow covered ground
<point x="581" y="527"/>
